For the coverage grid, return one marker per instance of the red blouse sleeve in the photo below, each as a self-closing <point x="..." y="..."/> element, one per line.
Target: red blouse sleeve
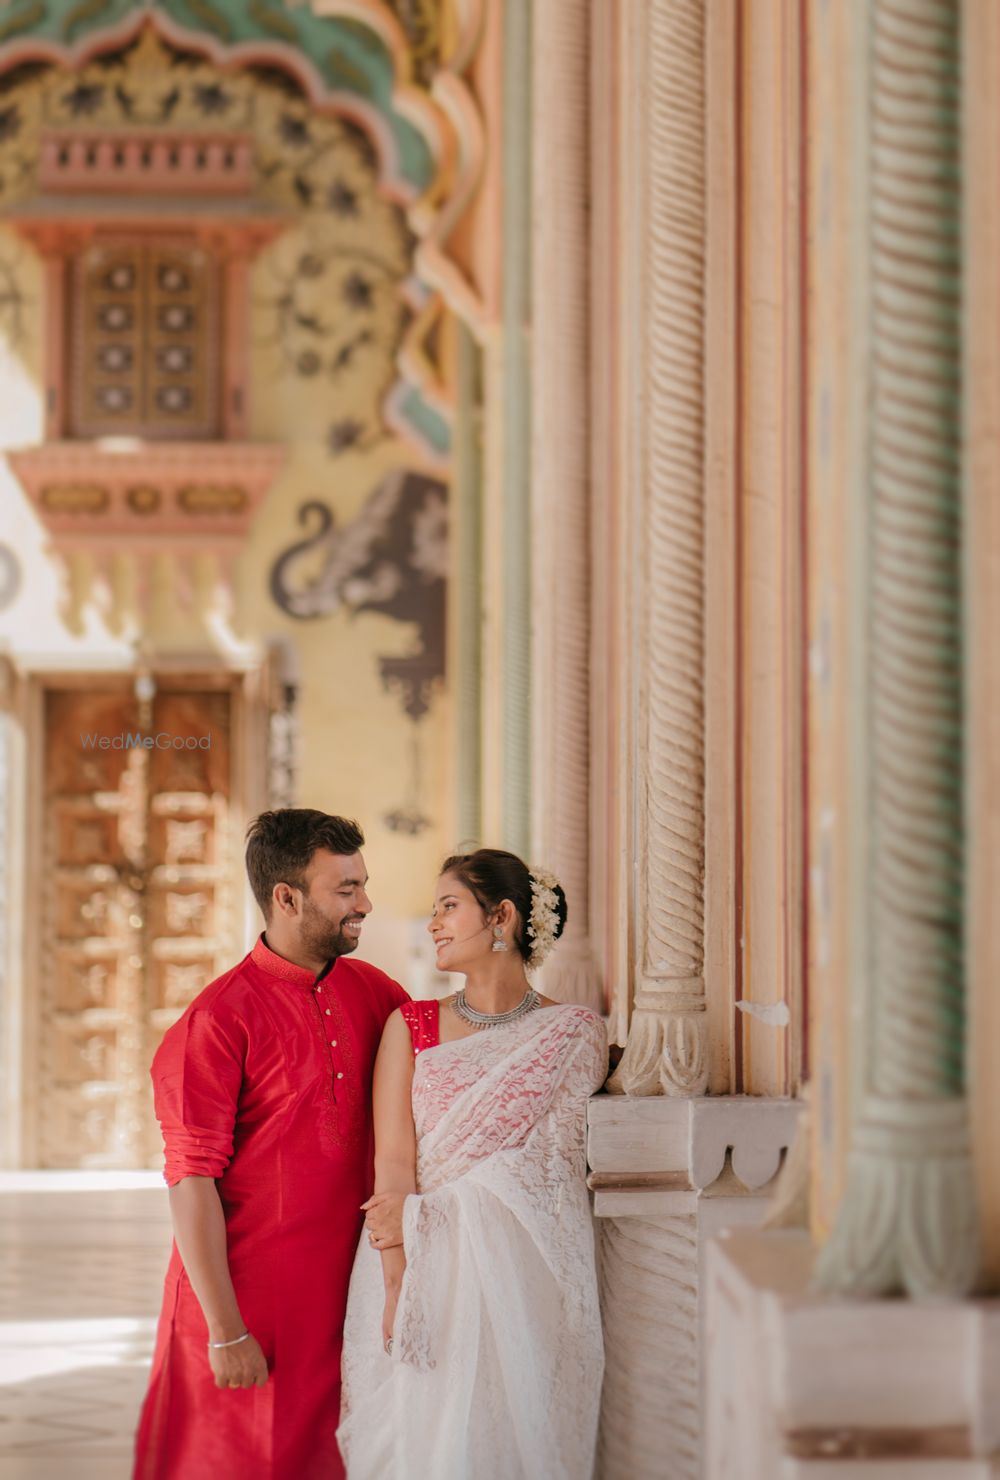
<point x="197" y="1076"/>
<point x="422" y="1020"/>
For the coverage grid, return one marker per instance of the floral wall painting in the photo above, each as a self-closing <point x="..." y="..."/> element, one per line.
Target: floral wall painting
<point x="330" y="307"/>
<point x="391" y="558"/>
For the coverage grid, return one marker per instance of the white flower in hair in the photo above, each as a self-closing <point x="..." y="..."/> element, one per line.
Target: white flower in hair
<point x="543" y="922"/>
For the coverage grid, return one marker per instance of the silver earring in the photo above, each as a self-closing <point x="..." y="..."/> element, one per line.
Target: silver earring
<point x="499" y="944"/>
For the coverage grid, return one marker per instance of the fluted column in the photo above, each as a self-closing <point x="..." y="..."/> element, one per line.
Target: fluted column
<point x="560" y="480"/>
<point x="6" y="1016"/>
<point x="467" y="586"/>
<point x="650" y="1420"/>
<point x="907" y="1220"/>
<point x="666" y="1049"/>
<point x="981" y="514"/>
<point x="516" y="697"/>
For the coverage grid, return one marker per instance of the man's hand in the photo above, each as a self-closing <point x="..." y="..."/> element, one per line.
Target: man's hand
<point x="239" y="1366"/>
<point x="200" y="1231"/>
<point x="384" y="1219"/>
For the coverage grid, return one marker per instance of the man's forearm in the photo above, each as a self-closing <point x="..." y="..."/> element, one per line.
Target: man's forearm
<point x="200" y="1232"/>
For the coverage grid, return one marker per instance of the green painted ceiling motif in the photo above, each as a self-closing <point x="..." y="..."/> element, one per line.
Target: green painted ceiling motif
<point x="344" y="54"/>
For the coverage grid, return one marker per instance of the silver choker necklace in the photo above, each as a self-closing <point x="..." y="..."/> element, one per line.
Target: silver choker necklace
<point x="468" y="1014"/>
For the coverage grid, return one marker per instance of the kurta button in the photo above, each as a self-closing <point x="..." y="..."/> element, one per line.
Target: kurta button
<point x="327" y="1011"/>
<point x="333" y="1043"/>
<point x="339" y="1075"/>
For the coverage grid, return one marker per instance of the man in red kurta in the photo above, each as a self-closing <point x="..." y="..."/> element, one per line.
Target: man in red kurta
<point x="263" y="1092"/>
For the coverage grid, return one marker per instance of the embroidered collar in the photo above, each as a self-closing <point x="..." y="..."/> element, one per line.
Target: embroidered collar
<point x="276" y="965"/>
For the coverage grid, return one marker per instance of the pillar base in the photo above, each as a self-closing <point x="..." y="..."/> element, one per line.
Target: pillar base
<point x="803" y="1386"/>
<point x="667" y="1174"/>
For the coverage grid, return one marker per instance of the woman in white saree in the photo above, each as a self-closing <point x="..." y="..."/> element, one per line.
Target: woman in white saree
<point x="474" y="1349"/>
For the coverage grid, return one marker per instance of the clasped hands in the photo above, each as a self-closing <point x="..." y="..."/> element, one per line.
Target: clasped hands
<point x="384" y="1219"/>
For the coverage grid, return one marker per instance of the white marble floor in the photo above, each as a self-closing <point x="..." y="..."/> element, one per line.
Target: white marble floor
<point x="82" y="1259"/>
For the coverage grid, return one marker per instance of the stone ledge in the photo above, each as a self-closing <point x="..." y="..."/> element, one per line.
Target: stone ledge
<point x="859" y="1383"/>
<point x="636" y="1139"/>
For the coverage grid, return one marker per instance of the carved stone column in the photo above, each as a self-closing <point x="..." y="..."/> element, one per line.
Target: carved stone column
<point x="465" y="642"/>
<point x="666" y="1050"/>
<point x="907" y="1219"/>
<point x="981" y="239"/>
<point x="516" y="697"/>
<point x="6" y="685"/>
<point x="560" y="481"/>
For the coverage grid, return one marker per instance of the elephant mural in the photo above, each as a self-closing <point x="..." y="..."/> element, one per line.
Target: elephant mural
<point x="390" y="558"/>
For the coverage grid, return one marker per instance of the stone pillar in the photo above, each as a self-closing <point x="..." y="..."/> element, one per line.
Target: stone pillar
<point x="560" y="481"/>
<point x="907" y="1219"/>
<point x="666" y="1049"/>
<point x="668" y="1173"/>
<point x="465" y="642"/>
<point x="6" y="1053"/>
<point x="515" y="557"/>
<point x="981" y="526"/>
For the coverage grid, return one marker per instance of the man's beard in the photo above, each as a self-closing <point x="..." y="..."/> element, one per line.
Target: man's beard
<point x="324" y="939"/>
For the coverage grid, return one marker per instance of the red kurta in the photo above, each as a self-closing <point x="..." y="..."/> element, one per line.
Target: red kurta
<point x="265" y="1085"/>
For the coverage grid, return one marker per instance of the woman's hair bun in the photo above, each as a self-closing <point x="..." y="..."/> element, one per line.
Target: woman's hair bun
<point x="492" y="875"/>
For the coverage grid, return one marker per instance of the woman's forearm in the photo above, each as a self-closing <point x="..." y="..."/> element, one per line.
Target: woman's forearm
<point x="200" y="1232"/>
<point x="395" y="1141"/>
<point x="397" y="1176"/>
<point x="393" y="1268"/>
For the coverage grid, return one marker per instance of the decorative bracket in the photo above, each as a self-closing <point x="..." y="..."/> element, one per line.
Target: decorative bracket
<point x="190" y="503"/>
<point x="664" y="1145"/>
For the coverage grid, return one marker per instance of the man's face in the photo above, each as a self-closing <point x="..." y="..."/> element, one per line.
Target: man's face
<point x="335" y="903"/>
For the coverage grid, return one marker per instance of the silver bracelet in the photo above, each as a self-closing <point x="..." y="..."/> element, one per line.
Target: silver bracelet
<point x="216" y="1346"/>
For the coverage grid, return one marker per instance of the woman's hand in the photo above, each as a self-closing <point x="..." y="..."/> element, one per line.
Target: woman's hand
<point x="239" y="1366"/>
<point x="384" y="1219"/>
<point x="389" y="1316"/>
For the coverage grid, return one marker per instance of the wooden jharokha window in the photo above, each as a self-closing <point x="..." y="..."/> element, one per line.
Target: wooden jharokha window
<point x="143" y="329"/>
<point x="147" y="239"/>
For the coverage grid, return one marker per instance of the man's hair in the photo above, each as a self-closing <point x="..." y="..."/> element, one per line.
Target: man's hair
<point x="280" y="846"/>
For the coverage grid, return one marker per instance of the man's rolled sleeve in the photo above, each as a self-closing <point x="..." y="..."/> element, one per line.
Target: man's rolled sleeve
<point x="197" y="1075"/>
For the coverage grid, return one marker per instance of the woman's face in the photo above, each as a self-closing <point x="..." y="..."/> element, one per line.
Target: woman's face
<point x="461" y="934"/>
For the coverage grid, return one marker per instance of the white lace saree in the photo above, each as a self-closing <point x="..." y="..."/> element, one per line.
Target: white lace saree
<point x="497" y="1357"/>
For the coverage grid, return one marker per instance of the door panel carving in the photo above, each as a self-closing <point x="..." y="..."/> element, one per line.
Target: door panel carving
<point x="138" y="889"/>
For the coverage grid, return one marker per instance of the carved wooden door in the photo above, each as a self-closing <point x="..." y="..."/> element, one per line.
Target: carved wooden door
<point x="137" y="882"/>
